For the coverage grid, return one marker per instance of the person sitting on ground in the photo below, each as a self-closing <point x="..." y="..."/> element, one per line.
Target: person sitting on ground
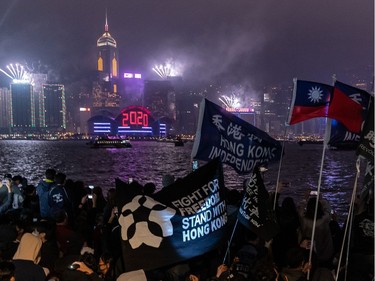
<point x="323" y="243"/>
<point x="287" y="237"/>
<point x="361" y="254"/>
<point x="86" y="219"/>
<point x="31" y="202"/>
<point x="69" y="241"/>
<point x="45" y="230"/>
<point x="4" y="189"/>
<point x="149" y="189"/>
<point x="6" y="204"/>
<point x="101" y="202"/>
<point x="265" y="271"/>
<point x="58" y="198"/>
<point x="110" y="204"/>
<point x="83" y="269"/>
<point x="251" y="251"/>
<point x="225" y="273"/>
<point x="18" y="194"/>
<point x="26" y="259"/>
<point x="106" y="267"/>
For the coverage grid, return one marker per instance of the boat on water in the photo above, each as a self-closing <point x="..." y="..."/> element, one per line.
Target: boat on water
<point x="179" y="142"/>
<point x="110" y="142"/>
<point x="176" y="141"/>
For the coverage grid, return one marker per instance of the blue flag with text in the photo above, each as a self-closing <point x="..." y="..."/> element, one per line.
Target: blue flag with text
<point x="185" y="219"/>
<point x="235" y="141"/>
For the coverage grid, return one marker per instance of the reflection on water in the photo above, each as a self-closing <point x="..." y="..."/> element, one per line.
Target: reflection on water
<point x="149" y="161"/>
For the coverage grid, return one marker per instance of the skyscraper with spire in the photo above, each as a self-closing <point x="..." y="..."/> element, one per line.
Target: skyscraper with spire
<point x="105" y="88"/>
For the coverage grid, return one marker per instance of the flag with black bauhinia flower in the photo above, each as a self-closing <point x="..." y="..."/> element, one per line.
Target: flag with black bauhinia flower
<point x="238" y="143"/>
<point x="185" y="219"/>
<point x="256" y="211"/>
<point x="366" y="144"/>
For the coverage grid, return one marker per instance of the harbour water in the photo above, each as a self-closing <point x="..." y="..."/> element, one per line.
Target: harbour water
<point x="149" y="161"/>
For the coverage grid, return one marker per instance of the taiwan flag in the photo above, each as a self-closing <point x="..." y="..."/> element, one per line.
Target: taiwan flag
<point x="310" y="100"/>
<point x="346" y="106"/>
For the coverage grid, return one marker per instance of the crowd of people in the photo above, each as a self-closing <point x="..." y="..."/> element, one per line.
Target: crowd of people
<point x="61" y="229"/>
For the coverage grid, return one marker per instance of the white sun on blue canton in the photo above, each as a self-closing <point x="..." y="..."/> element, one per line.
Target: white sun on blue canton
<point x="315" y="94"/>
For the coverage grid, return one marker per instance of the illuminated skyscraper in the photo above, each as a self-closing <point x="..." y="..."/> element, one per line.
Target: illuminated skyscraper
<point x="105" y="90"/>
<point x="22" y="107"/>
<point x="5" y="108"/>
<point x="52" y="108"/>
<point x="39" y="79"/>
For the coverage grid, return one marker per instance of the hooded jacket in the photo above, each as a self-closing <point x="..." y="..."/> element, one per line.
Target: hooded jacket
<point x="42" y="190"/>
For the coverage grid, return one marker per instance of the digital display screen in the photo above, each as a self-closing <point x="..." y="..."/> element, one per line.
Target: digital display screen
<point x="135" y="120"/>
<point x="136" y="117"/>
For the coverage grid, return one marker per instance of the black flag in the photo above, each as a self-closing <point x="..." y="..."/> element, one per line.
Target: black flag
<point x="185" y="219"/>
<point x="366" y="144"/>
<point x="256" y="212"/>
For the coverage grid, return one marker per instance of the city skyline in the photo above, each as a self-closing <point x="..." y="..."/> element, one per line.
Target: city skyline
<point x="241" y="42"/>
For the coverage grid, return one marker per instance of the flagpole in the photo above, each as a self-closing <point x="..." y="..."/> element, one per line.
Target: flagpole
<point x="348" y="225"/>
<point x="230" y="241"/>
<point x="317" y="200"/>
<point x="352" y="217"/>
<point x="278" y="173"/>
<point x="325" y="144"/>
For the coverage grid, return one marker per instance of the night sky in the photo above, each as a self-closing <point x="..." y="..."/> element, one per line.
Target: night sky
<point x="251" y="42"/>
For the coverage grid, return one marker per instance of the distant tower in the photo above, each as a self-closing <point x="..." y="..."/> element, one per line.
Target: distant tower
<point x="105" y="90"/>
<point x="108" y="64"/>
<point x="52" y="108"/>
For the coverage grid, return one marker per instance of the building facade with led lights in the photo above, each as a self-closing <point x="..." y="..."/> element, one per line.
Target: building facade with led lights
<point x="132" y="121"/>
<point x="5" y="109"/>
<point x="52" y="113"/>
<point x="22" y="116"/>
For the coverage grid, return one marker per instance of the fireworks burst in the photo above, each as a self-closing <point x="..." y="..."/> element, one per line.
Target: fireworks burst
<point x="17" y="73"/>
<point x="230" y="101"/>
<point x="170" y="68"/>
<point x="163" y="71"/>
